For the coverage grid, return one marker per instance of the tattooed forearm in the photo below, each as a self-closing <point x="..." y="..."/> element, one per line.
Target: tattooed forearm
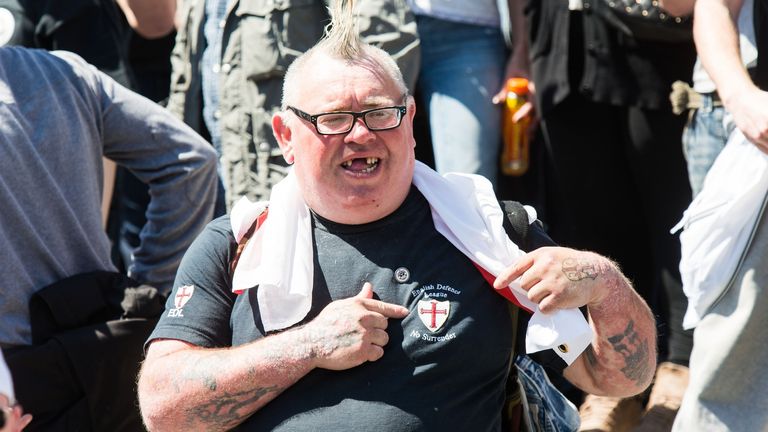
<point x="214" y="389"/>
<point x="635" y="351"/>
<point x="578" y="269"/>
<point x="323" y="344"/>
<point x="202" y="370"/>
<point x="229" y="409"/>
<point x="622" y="357"/>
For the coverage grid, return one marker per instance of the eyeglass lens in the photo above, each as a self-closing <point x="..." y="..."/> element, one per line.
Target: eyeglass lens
<point x="383" y="118"/>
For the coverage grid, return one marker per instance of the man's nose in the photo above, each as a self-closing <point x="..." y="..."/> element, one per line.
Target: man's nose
<point x="360" y="132"/>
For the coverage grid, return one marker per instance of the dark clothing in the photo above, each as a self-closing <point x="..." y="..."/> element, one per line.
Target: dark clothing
<point x="578" y="52"/>
<point x="617" y="177"/>
<point x="150" y="61"/>
<point x="80" y="373"/>
<point x="452" y="378"/>
<point x="761" y="39"/>
<point x="94" y="29"/>
<point x="620" y="196"/>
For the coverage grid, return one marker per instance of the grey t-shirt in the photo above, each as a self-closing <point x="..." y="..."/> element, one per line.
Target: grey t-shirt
<point x="445" y="365"/>
<point x="59" y="117"/>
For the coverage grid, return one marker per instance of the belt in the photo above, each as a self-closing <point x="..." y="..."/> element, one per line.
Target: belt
<point x="684" y="98"/>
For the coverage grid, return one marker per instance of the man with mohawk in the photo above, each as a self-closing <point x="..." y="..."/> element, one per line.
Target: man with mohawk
<point x="365" y="296"/>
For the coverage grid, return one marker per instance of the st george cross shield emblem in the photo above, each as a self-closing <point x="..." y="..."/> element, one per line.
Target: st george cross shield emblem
<point x="183" y="294"/>
<point x="433" y="313"/>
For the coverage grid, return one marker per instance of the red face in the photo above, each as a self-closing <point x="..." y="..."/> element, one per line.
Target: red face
<point x="360" y="176"/>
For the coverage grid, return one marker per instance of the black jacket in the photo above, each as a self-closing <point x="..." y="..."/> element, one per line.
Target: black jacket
<point x="579" y="51"/>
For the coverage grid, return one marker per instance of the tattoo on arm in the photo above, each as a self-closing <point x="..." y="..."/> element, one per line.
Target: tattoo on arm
<point x="323" y="345"/>
<point x="224" y="410"/>
<point x="576" y="270"/>
<point x="635" y="352"/>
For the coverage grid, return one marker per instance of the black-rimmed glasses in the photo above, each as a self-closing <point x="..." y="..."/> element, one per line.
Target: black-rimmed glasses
<point x="341" y="122"/>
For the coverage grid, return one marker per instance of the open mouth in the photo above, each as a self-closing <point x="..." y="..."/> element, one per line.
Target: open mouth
<point x="361" y="165"/>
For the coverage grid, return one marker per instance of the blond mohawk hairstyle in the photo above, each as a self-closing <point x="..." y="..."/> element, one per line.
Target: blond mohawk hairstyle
<point x="341" y="36"/>
<point x="341" y="41"/>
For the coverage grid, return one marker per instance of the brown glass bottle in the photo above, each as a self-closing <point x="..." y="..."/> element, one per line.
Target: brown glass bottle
<point x="515" y="151"/>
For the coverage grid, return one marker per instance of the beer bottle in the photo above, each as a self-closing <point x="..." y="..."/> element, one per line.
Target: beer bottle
<point x="515" y="153"/>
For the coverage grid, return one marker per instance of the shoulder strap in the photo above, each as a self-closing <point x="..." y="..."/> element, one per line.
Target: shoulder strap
<point x="516" y="223"/>
<point x="516" y="226"/>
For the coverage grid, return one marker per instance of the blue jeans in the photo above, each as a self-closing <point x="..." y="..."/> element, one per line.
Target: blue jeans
<point x="548" y="409"/>
<point x="703" y="139"/>
<point x="462" y="68"/>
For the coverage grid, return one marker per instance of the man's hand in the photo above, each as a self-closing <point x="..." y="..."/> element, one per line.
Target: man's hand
<point x="749" y="108"/>
<point x="352" y="331"/>
<point x="558" y="277"/>
<point x="622" y="357"/>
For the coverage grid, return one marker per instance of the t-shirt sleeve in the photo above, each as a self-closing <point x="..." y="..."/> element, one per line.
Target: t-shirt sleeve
<point x="199" y="307"/>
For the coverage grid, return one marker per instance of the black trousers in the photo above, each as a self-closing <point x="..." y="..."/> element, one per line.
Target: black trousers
<point x="83" y="380"/>
<point x="88" y="333"/>
<point x="617" y="183"/>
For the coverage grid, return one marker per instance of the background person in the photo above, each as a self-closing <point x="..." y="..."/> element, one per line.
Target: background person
<point x="64" y="306"/>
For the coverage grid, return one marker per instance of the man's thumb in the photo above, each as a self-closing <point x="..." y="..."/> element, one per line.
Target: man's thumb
<point x="366" y="292"/>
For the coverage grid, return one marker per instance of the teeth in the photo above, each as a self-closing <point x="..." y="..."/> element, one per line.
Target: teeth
<point x="372" y="162"/>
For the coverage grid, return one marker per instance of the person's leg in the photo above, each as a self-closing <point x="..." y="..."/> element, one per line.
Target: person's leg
<point x="728" y="384"/>
<point x="659" y="168"/>
<point x="664" y="192"/>
<point x="592" y="202"/>
<point x="462" y="67"/>
<point x="597" y="202"/>
<point x="703" y="139"/>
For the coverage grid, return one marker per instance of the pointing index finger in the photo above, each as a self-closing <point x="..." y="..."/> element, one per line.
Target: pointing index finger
<point x="513" y="272"/>
<point x="389" y="310"/>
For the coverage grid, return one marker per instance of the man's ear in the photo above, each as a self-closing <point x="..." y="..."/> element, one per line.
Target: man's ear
<point x="410" y="102"/>
<point x="282" y="131"/>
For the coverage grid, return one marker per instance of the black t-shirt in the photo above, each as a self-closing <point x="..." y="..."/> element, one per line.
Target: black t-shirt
<point x="445" y="365"/>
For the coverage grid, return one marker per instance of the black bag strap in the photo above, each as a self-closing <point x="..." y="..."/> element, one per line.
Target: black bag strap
<point x="517" y="227"/>
<point x="516" y="223"/>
